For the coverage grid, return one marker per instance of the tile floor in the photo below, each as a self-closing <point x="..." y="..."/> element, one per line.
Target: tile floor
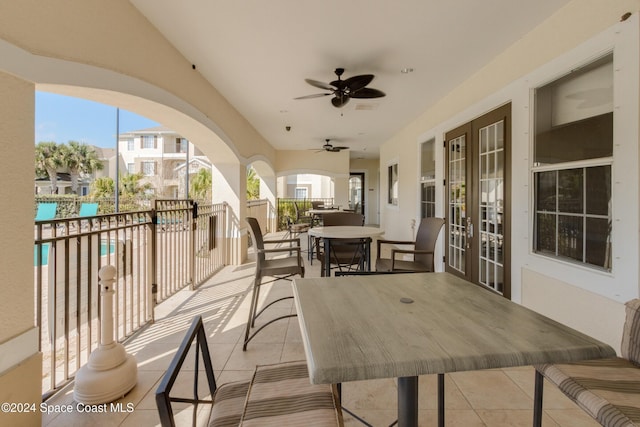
<point x="492" y="398"/>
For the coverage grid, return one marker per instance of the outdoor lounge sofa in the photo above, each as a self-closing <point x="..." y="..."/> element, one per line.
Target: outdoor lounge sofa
<point x="606" y="389"/>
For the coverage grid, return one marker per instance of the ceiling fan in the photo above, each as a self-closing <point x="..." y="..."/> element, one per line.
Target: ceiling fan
<point x="331" y="148"/>
<point x="343" y="90"/>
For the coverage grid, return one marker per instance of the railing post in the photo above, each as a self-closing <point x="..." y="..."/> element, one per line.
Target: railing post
<point x="110" y="372"/>
<point x="154" y="262"/>
<point x="192" y="247"/>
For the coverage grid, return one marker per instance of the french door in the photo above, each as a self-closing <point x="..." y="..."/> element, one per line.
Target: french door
<point x="356" y="192"/>
<point x="477" y="200"/>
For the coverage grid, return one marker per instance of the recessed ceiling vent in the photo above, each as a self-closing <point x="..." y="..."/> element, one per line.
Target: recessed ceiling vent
<point x="367" y="106"/>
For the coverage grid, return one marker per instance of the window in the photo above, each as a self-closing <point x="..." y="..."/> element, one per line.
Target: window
<point x="301" y="192"/>
<point x="573" y="151"/>
<point x="148" y="141"/>
<point x="392" y="197"/>
<point x="428" y="179"/>
<point x="181" y="145"/>
<point x="131" y="168"/>
<point x="149" y="168"/>
<point x="131" y="145"/>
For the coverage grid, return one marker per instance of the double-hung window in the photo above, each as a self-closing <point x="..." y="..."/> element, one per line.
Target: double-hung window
<point x="149" y="168"/>
<point x="148" y="141"/>
<point x="573" y="157"/>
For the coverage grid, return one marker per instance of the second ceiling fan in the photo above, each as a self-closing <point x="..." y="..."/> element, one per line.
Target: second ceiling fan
<point x="343" y="90"/>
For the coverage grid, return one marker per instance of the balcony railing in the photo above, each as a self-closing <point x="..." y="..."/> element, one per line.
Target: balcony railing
<point x="156" y="253"/>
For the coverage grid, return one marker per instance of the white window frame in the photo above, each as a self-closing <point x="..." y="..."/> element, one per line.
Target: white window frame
<point x="304" y="190"/>
<point x="148" y="164"/>
<point x="148" y="142"/>
<point x="555" y="167"/>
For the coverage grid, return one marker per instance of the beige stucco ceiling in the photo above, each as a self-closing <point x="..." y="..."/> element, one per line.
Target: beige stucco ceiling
<point x="257" y="54"/>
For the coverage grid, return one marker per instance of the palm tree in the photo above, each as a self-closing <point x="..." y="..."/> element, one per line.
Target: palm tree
<point x="201" y="185"/>
<point x="80" y="159"/>
<point x="102" y="187"/>
<point x="48" y="160"/>
<point x="253" y="184"/>
<point x="130" y="184"/>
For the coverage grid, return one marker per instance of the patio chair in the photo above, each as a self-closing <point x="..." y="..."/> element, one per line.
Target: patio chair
<point x="346" y="253"/>
<point x="275" y="394"/>
<point x="423" y="249"/>
<point x="46" y="211"/>
<point x="88" y="209"/>
<point x="279" y="267"/>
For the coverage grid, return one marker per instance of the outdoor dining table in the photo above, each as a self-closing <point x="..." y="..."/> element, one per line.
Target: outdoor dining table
<point x="347" y="232"/>
<point x="405" y="325"/>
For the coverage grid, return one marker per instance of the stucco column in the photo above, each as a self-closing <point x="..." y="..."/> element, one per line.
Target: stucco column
<point x="21" y="362"/>
<point x="229" y="182"/>
<point x="341" y="191"/>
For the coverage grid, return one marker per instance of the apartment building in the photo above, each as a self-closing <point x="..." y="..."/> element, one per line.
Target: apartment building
<point x="160" y="154"/>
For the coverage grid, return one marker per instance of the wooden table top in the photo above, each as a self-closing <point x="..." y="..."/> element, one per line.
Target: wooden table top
<point x="357" y="328"/>
<point x="345" y="232"/>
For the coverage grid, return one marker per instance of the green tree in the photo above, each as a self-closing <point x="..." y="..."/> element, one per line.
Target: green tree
<point x="130" y="184"/>
<point x="253" y="184"/>
<point x="102" y="187"/>
<point x="79" y="159"/>
<point x="49" y="158"/>
<point x="201" y="185"/>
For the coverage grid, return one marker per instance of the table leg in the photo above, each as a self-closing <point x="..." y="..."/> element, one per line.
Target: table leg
<point x="327" y="257"/>
<point x="367" y="251"/>
<point x="537" y="400"/>
<point x="408" y="402"/>
<point x="440" y="400"/>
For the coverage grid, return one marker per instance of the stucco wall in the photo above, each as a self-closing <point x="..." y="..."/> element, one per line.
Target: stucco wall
<point x="580" y="31"/>
<point x="20" y="379"/>
<point x="114" y="36"/>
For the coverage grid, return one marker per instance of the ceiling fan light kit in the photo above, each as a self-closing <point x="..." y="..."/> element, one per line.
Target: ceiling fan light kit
<point x="343" y="90"/>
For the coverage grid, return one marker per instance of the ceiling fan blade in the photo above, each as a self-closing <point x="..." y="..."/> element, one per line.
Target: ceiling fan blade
<point x="340" y="147"/>
<point x="367" y="93"/>
<point x="320" y="85"/>
<point x="317" y="95"/>
<point x="339" y="100"/>
<point x="356" y="83"/>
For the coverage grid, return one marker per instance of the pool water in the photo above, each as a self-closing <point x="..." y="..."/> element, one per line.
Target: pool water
<point x="45" y="252"/>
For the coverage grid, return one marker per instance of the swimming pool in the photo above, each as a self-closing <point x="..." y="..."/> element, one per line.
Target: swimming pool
<point x="45" y="251"/>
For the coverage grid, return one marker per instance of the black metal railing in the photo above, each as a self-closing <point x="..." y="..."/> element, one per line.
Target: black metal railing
<point x="156" y="253"/>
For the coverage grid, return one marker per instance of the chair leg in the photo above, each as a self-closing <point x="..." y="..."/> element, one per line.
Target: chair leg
<point x="252" y="310"/>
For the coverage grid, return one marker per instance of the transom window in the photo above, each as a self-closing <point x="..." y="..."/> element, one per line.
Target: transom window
<point x="573" y="151"/>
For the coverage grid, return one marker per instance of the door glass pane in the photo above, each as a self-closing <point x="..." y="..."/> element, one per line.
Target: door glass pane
<point x="457" y="200"/>
<point x="491" y="206"/>
<point x="355" y="193"/>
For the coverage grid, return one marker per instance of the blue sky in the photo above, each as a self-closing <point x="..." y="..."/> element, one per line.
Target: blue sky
<point x="63" y="118"/>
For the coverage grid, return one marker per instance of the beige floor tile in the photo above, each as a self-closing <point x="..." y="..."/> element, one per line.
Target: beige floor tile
<point x="571" y="418"/>
<point x="428" y="393"/>
<point x="491" y="390"/>
<point x="512" y="418"/>
<point x="372" y="394"/>
<point x="552" y="397"/>
<point x="452" y="418"/>
<point x="492" y="398"/>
